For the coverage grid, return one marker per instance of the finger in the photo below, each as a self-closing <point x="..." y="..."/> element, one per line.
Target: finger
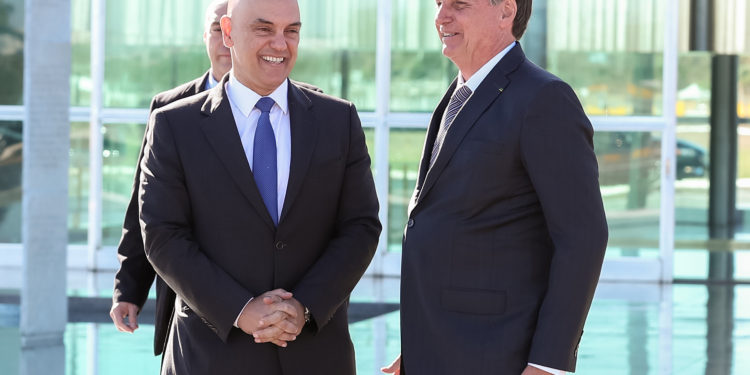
<point x="271" y="299"/>
<point x="280" y="343"/>
<point x="117" y="314"/>
<point x="284" y="337"/>
<point x="133" y="317"/>
<point x="290" y="327"/>
<point x="280" y="292"/>
<point x="267" y="334"/>
<point x="394" y="367"/>
<point x="271" y="319"/>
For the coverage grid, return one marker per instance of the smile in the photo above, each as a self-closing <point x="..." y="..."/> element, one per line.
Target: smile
<point x="271" y="59"/>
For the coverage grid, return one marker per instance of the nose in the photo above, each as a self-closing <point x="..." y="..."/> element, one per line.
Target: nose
<point x="442" y="15"/>
<point x="279" y="41"/>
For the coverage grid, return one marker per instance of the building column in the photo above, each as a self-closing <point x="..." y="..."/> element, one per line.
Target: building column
<point x="46" y="137"/>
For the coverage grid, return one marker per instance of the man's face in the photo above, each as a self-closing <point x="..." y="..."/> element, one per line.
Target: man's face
<point x="263" y="36"/>
<point x="221" y="61"/>
<point x="473" y="31"/>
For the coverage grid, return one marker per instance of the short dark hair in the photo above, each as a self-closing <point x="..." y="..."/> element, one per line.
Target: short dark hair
<point x="523" y="13"/>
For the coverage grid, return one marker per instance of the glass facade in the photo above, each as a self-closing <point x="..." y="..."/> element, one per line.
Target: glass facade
<point x="610" y="52"/>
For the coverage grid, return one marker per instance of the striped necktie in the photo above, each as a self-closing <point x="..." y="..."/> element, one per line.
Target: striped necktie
<point x="454" y="106"/>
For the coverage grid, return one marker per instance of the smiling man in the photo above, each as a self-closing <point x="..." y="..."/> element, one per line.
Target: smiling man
<point x="506" y="230"/>
<point x="258" y="209"/>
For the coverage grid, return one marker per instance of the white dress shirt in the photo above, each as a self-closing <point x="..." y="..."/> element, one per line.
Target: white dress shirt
<point x="473" y="83"/>
<point x="242" y="101"/>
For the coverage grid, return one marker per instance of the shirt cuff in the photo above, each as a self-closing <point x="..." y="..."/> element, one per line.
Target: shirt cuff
<point x="237" y="321"/>
<point x="550" y="370"/>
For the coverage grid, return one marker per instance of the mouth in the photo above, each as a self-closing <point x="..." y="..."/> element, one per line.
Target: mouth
<point x="272" y="59"/>
<point x="447" y="35"/>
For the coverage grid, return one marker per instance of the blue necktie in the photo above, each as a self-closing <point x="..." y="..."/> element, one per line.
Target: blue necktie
<point x="454" y="106"/>
<point x="264" y="158"/>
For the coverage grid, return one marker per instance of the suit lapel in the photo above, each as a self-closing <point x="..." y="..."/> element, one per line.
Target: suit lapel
<point x="304" y="137"/>
<point x="199" y="84"/>
<point x="488" y="91"/>
<point x="221" y="133"/>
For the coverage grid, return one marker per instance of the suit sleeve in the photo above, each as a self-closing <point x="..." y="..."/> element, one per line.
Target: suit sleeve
<point x="332" y="278"/>
<point x="557" y="150"/>
<point x="165" y="214"/>
<point x="134" y="278"/>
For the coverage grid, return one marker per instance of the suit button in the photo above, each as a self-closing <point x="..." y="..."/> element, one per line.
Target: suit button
<point x="280" y="245"/>
<point x="410" y="223"/>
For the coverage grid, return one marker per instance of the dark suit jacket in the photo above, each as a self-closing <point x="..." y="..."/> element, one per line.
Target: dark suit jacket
<point x="506" y="233"/>
<point x="209" y="236"/>
<point x="135" y="276"/>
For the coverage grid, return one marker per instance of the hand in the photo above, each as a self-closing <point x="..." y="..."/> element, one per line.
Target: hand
<point x="394" y="367"/>
<point x="281" y="325"/>
<point x="261" y="306"/>
<point x="531" y="370"/>
<point x="119" y="311"/>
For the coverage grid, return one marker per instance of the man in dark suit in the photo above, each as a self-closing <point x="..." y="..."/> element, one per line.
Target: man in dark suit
<point x="506" y="230"/>
<point x="258" y="209"/>
<point x="135" y="276"/>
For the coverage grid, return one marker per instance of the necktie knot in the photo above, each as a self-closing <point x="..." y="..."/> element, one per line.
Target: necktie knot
<point x="264" y="104"/>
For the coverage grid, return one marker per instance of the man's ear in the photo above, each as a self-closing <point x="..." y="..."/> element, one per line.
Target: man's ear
<point x="226" y="30"/>
<point x="508" y="9"/>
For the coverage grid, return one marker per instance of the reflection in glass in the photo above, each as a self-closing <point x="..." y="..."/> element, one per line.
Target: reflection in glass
<point x="11" y="51"/>
<point x="11" y="161"/>
<point x="403" y="164"/>
<point x="629" y="175"/>
<point x="612" y="83"/>
<point x="743" y="182"/>
<point x="80" y="74"/>
<point x="151" y="46"/>
<point x="420" y="73"/>
<point x="743" y="90"/>
<point x="122" y="144"/>
<point x="78" y="183"/>
<point x="337" y="49"/>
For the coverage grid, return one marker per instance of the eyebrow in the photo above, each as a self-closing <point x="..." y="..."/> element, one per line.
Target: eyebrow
<point x="267" y="22"/>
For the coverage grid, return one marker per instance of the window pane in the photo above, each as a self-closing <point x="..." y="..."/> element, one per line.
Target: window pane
<point x="151" y="46"/>
<point x="420" y="73"/>
<point x="11" y="51"/>
<point x="80" y="74"/>
<point x="11" y="160"/>
<point x="122" y="144"/>
<point x="78" y="184"/>
<point x="610" y="52"/>
<point x="744" y="87"/>
<point x="405" y="151"/>
<point x="630" y="180"/>
<point x="337" y="49"/>
<point x="743" y="182"/>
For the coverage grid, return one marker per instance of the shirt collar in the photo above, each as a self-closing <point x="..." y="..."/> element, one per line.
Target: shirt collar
<point x="482" y="73"/>
<point x="211" y="82"/>
<point x="244" y="98"/>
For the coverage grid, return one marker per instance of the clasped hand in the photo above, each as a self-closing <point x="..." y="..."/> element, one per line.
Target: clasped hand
<point x="274" y="317"/>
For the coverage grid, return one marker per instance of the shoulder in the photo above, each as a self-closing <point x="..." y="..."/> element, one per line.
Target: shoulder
<point x="182" y="91"/>
<point x="305" y="85"/>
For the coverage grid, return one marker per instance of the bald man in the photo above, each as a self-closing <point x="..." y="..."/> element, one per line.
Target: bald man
<point x="258" y="208"/>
